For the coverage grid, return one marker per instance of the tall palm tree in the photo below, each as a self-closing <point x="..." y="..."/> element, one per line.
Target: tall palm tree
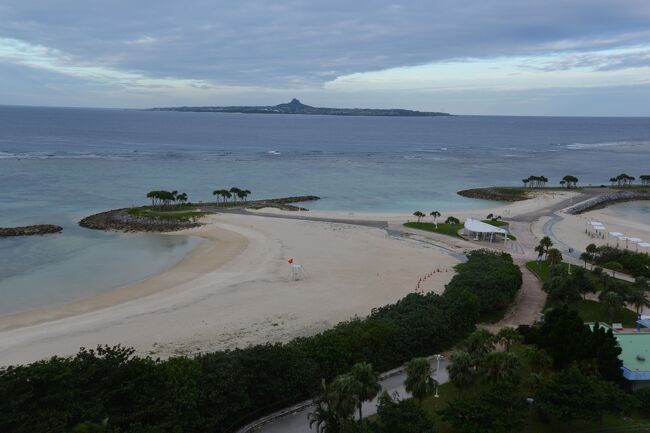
<point x="324" y="416"/>
<point x="637" y="298"/>
<point x="418" y="378"/>
<point x="367" y="383"/>
<point x="234" y="191"/>
<point x="435" y="214"/>
<point x="546" y="243"/>
<point x="342" y="398"/>
<point x="554" y="256"/>
<point x="419" y="215"/>
<point x="462" y="372"/>
<point x="613" y="303"/>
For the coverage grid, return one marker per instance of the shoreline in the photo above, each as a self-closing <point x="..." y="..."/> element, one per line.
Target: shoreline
<point x="234" y="288"/>
<point x="210" y="246"/>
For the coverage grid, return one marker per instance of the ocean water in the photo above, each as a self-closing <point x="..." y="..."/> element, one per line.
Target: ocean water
<point x="58" y="165"/>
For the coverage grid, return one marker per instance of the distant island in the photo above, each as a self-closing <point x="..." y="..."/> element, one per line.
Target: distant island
<point x="297" y="107"/>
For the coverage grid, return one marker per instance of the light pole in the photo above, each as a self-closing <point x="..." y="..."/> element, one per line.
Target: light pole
<point x="437" y="357"/>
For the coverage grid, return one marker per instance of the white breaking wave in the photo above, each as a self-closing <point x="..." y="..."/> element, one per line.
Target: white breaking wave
<point x="274" y="152"/>
<point x="580" y="146"/>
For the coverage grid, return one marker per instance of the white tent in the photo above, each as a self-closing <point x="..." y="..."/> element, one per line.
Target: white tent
<point x="481" y="230"/>
<point x="616" y="234"/>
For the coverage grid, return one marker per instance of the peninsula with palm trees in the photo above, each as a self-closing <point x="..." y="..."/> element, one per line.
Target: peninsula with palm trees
<point x="172" y="211"/>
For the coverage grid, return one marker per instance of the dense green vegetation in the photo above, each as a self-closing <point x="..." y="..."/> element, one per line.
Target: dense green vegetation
<point x="176" y="213"/>
<point x="569" y="290"/>
<point x="546" y="378"/>
<point x="492" y="277"/>
<point x="631" y="262"/>
<point x="222" y="390"/>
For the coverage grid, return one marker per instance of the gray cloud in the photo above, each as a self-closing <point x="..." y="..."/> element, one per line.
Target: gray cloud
<point x="303" y="41"/>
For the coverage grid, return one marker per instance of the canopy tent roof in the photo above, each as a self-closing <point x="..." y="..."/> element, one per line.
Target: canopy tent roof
<point x="644" y="244"/>
<point x="596" y="223"/>
<point x="477" y="226"/>
<point x="617" y="234"/>
<point x="635" y="240"/>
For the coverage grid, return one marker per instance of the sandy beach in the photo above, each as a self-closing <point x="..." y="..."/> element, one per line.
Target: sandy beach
<point x="236" y="287"/>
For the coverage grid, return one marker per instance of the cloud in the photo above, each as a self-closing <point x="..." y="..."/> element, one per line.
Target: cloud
<point x="144" y="40"/>
<point x="44" y="58"/>
<point x="202" y="49"/>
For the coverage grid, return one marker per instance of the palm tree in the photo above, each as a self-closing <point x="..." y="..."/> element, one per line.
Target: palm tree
<point x="418" y="378"/>
<point x="637" y="298"/>
<point x="342" y="398"/>
<point x="462" y="372"/>
<point x="613" y="303"/>
<point x="585" y="257"/>
<point x="554" y="256"/>
<point x="479" y="343"/>
<point x="234" y="191"/>
<point x="419" y="215"/>
<point x="435" y="214"/>
<point x="539" y="249"/>
<point x="452" y="220"/>
<point x="501" y="367"/>
<point x="367" y="383"/>
<point x="546" y="243"/>
<point x="323" y="416"/>
<point x="507" y="337"/>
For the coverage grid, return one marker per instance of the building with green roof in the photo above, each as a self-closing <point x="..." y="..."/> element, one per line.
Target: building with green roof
<point x="635" y="352"/>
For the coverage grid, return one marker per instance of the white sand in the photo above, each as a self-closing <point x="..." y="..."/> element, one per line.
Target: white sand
<point x="247" y="298"/>
<point x="235" y="288"/>
<point x="572" y="229"/>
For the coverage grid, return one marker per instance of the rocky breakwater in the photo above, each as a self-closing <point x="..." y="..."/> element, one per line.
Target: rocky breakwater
<point x="38" y="229"/>
<point x="605" y="199"/>
<point x="121" y="220"/>
<point x="282" y="203"/>
<point x="496" y="193"/>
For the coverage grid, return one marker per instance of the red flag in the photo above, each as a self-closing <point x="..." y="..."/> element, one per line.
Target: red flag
<point x="290" y="261"/>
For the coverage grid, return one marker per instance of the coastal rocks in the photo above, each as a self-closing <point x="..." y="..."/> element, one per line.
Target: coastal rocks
<point x="38" y="229"/>
<point x="496" y="194"/>
<point x="605" y="199"/>
<point x="120" y="220"/>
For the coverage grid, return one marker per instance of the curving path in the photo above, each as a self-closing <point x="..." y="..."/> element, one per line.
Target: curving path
<point x="392" y="382"/>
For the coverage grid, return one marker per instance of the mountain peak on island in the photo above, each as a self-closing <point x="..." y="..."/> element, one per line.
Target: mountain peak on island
<point x="297" y="107"/>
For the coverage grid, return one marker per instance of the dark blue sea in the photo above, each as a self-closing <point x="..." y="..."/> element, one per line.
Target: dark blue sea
<point x="58" y="165"/>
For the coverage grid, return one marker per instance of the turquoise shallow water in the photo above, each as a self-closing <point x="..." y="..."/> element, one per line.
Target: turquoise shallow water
<point x="58" y="165"/>
<point x="635" y="210"/>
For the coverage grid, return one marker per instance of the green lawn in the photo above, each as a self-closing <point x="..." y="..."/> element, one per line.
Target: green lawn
<point x="183" y="213"/>
<point x="589" y="311"/>
<point x="496" y="223"/>
<point x="452" y="229"/>
<point x="443" y="228"/>
<point x="593" y="311"/>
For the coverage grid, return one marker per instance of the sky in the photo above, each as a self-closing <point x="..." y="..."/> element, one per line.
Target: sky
<point x="511" y="57"/>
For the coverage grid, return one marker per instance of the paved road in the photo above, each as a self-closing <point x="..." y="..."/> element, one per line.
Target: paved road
<point x="298" y="422"/>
